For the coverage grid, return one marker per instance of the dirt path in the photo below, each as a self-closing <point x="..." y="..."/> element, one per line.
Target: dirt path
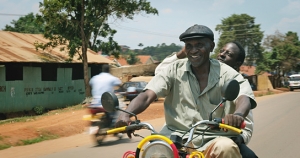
<point x="69" y="123"/>
<point x="61" y="124"/>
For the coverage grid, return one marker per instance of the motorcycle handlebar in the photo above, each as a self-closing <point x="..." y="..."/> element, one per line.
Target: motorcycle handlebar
<point x="221" y="125"/>
<point x="220" y="120"/>
<point x="130" y="127"/>
<point x="142" y="125"/>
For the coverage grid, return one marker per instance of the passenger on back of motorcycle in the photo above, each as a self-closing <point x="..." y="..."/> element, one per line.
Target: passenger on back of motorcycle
<point x="192" y="89"/>
<point x="103" y="82"/>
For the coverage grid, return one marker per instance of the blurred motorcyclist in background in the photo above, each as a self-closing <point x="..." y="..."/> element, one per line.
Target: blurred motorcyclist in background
<point x="103" y="82"/>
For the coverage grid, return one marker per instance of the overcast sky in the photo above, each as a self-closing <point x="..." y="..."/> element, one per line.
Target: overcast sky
<point x="175" y="16"/>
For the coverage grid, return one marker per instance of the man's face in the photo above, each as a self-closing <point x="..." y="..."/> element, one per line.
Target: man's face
<point x="229" y="54"/>
<point x="198" y="50"/>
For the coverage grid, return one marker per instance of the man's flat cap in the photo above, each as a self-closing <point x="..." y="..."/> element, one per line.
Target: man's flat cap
<point x="197" y="31"/>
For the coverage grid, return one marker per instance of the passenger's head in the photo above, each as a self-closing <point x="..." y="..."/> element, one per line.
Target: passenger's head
<point x="232" y="54"/>
<point x="199" y="42"/>
<point x="105" y="68"/>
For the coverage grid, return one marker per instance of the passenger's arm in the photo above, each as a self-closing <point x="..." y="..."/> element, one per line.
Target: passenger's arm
<point x="243" y="105"/>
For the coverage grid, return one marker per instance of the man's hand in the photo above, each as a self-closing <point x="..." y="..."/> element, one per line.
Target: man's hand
<point x="234" y="120"/>
<point x="181" y="54"/>
<point x="124" y="120"/>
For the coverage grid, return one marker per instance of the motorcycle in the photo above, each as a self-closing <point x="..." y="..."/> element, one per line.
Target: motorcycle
<point x="156" y="145"/>
<point x="100" y="120"/>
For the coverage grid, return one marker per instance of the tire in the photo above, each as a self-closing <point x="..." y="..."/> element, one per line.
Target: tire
<point x="291" y="89"/>
<point x="103" y="125"/>
<point x="119" y="135"/>
<point x="99" y="138"/>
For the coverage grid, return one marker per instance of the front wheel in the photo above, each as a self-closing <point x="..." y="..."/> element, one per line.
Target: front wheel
<point x="291" y="89"/>
<point x="99" y="138"/>
<point x="103" y="126"/>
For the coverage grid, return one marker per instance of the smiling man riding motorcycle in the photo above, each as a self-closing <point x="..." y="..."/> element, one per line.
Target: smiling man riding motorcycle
<point x="192" y="89"/>
<point x="232" y="54"/>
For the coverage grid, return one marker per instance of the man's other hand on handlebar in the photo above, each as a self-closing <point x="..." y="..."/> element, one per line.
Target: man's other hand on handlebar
<point x="124" y="120"/>
<point x="234" y="120"/>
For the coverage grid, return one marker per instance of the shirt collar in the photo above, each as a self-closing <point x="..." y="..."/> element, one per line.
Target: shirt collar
<point x="214" y="73"/>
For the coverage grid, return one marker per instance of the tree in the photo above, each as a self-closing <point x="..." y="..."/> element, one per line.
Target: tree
<point x="83" y="24"/>
<point x="161" y="51"/>
<point x="241" y="28"/>
<point x="26" y="24"/>
<point x="131" y="58"/>
<point x="283" y="52"/>
<point x="140" y="45"/>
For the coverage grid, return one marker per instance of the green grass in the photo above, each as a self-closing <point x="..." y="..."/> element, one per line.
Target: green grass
<point x="19" y="119"/>
<point x="4" y="146"/>
<point x="269" y="93"/>
<point x="66" y="109"/>
<point x="41" y="138"/>
<point x="44" y="134"/>
<point x="51" y="112"/>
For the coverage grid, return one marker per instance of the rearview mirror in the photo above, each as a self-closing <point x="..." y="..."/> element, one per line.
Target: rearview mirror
<point x="109" y="102"/>
<point x="230" y="90"/>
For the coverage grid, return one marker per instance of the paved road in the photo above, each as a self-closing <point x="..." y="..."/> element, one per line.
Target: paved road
<point x="276" y="132"/>
<point x="276" y="135"/>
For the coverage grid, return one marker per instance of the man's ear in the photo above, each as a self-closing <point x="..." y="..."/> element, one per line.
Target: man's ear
<point x="239" y="63"/>
<point x="212" y="46"/>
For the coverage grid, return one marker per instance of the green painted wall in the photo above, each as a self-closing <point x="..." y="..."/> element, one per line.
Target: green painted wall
<point x="31" y="91"/>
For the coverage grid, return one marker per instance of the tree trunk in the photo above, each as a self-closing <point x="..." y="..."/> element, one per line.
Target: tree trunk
<point x="84" y="54"/>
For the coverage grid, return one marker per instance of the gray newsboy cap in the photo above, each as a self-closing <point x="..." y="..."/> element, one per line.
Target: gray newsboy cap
<point x="197" y="31"/>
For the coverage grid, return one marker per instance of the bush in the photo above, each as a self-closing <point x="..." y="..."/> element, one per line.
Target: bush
<point x="39" y="110"/>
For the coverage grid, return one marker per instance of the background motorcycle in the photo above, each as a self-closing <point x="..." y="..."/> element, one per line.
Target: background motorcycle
<point x="101" y="120"/>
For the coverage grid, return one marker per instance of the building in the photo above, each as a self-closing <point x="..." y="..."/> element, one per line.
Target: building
<point x="258" y="82"/>
<point x="143" y="60"/>
<point x="31" y="78"/>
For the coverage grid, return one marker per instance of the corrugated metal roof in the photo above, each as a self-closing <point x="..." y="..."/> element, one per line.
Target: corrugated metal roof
<point x="19" y="47"/>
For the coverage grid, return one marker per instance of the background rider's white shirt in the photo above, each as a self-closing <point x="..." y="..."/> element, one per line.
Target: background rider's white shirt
<point x="104" y="82"/>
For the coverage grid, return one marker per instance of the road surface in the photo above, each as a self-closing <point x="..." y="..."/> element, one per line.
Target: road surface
<point x="275" y="135"/>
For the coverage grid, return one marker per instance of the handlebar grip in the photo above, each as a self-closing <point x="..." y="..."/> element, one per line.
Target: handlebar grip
<point x="243" y="125"/>
<point x="122" y="129"/>
<point x="116" y="130"/>
<point x="221" y="125"/>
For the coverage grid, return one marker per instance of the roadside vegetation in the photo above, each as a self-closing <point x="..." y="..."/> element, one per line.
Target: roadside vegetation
<point x="42" y="134"/>
<point x="27" y="118"/>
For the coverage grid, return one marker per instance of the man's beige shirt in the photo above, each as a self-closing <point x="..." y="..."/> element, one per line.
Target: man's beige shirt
<point x="184" y="103"/>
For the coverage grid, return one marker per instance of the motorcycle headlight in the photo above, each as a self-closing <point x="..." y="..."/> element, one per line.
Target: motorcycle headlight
<point x="157" y="149"/>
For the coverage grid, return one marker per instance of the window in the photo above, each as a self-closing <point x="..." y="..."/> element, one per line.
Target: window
<point x="77" y="72"/>
<point x="14" y="72"/>
<point x="49" y="73"/>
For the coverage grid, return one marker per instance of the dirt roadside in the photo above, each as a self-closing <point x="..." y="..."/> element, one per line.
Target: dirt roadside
<point x="70" y="123"/>
<point x="61" y="124"/>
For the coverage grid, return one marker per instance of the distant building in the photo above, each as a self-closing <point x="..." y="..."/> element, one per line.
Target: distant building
<point x="30" y="78"/>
